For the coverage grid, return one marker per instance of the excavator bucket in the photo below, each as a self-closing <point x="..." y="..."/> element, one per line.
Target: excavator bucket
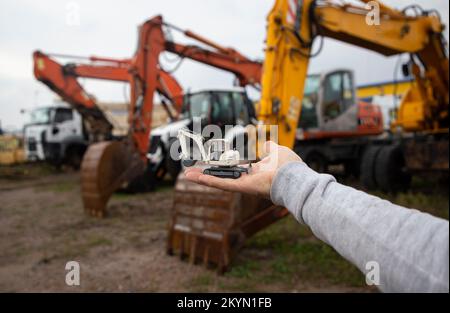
<point x="209" y="225"/>
<point x="106" y="166"/>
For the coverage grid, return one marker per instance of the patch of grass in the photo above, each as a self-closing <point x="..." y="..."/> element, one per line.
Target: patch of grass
<point x="59" y="187"/>
<point x="293" y="254"/>
<point x="318" y="261"/>
<point x="201" y="282"/>
<point x="278" y="233"/>
<point x="95" y="241"/>
<point x="436" y="204"/>
<point x="27" y="170"/>
<point x="240" y="285"/>
<point x="246" y="269"/>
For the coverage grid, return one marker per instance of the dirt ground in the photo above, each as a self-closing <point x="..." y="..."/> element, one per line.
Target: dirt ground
<point x="42" y="226"/>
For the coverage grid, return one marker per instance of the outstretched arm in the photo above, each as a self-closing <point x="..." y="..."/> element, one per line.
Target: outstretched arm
<point x="410" y="247"/>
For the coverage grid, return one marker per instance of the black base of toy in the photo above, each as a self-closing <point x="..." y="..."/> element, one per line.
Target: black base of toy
<point x="225" y="172"/>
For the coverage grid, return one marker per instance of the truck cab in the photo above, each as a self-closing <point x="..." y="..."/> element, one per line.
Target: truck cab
<point x="55" y="134"/>
<point x="221" y="107"/>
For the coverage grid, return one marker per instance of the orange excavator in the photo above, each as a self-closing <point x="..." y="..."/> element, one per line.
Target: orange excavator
<point x="63" y="80"/>
<point x="110" y="164"/>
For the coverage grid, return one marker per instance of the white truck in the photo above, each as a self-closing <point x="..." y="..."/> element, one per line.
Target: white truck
<point x="55" y="134"/>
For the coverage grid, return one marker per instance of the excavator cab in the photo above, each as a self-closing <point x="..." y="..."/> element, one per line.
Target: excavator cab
<point x="219" y="107"/>
<point x="330" y="107"/>
<point x="328" y="97"/>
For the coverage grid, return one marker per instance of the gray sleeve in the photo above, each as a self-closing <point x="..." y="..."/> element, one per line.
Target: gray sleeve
<point x="410" y="247"/>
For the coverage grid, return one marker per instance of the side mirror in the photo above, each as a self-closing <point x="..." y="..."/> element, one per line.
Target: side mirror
<point x="55" y="130"/>
<point x="406" y="69"/>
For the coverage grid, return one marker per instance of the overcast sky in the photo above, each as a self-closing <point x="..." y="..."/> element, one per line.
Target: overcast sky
<point x="109" y="28"/>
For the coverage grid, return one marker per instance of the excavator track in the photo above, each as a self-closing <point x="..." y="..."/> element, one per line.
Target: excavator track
<point x="106" y="166"/>
<point x="209" y="225"/>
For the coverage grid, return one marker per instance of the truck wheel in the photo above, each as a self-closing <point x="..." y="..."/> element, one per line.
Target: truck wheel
<point x="367" y="171"/>
<point x="74" y="156"/>
<point x="317" y="162"/>
<point x="390" y="173"/>
<point x="173" y="166"/>
<point x="352" y="168"/>
<point x="143" y="183"/>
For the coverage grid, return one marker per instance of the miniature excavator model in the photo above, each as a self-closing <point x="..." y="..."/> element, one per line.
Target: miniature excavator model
<point x="110" y="164"/>
<point x="209" y="225"/>
<point x="219" y="154"/>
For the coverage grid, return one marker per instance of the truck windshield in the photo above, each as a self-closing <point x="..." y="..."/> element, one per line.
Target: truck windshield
<point x="40" y="116"/>
<point x="199" y="105"/>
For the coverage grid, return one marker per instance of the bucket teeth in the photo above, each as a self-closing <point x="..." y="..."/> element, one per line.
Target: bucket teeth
<point x="209" y="225"/>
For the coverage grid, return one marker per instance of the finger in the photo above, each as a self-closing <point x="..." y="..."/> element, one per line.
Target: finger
<point x="193" y="176"/>
<point x="193" y="170"/>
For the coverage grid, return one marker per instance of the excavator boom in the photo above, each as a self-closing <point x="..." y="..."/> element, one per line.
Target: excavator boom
<point x="63" y="81"/>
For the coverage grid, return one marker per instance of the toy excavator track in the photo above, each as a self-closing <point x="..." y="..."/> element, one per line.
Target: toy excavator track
<point x="209" y="225"/>
<point x="105" y="167"/>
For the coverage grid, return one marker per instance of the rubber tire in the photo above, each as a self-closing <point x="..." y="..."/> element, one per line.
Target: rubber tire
<point x="367" y="170"/>
<point x="74" y="157"/>
<point x="389" y="170"/>
<point x="316" y="161"/>
<point x="352" y="168"/>
<point x="173" y="166"/>
<point x="143" y="183"/>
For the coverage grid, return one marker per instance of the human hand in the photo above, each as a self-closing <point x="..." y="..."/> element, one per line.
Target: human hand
<point x="259" y="179"/>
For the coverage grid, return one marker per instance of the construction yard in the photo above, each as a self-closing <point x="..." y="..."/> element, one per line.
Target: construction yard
<point x="43" y="227"/>
<point x="173" y="147"/>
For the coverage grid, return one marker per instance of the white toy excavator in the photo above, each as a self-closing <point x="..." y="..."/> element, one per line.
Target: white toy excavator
<point x="219" y="154"/>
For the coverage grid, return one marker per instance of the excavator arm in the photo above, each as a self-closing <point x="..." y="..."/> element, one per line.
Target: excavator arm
<point x="63" y="80"/>
<point x="294" y="25"/>
<point x="152" y="42"/>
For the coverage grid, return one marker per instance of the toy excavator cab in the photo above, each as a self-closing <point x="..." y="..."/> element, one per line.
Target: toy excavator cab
<point x="225" y="160"/>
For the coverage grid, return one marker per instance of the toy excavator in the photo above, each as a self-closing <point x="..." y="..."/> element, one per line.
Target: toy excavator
<point x="219" y="154"/>
<point x="210" y="225"/>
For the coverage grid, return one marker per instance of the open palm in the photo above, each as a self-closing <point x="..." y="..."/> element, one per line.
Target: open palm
<point x="259" y="179"/>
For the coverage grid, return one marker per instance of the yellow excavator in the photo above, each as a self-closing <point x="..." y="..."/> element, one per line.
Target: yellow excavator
<point x="209" y="225"/>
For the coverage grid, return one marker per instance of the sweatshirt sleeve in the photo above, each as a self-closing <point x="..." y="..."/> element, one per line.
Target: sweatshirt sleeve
<point x="411" y="248"/>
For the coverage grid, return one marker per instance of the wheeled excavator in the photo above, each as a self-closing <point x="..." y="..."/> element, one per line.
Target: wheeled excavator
<point x="210" y="225"/>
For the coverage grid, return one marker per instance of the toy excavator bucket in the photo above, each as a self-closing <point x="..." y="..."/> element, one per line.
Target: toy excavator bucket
<point x="209" y="226"/>
<point x="105" y="167"/>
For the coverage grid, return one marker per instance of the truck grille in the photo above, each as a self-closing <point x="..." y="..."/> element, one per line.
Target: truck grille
<point x="31" y="145"/>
